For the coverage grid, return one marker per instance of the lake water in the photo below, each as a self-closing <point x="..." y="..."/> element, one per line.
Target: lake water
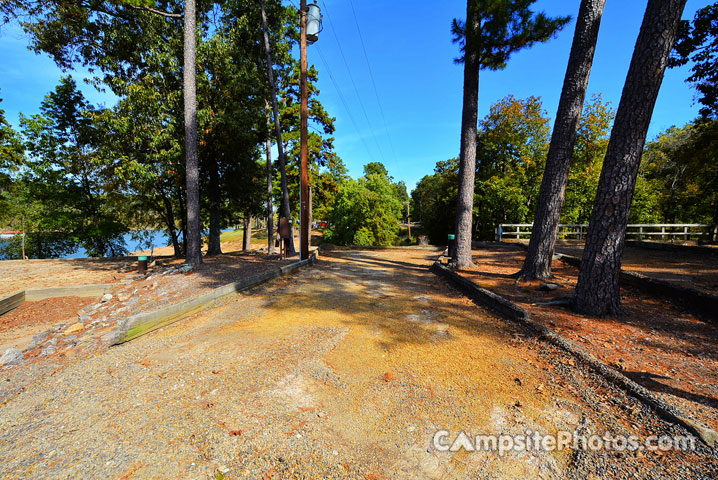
<point x="150" y="238"/>
<point x="159" y="238"/>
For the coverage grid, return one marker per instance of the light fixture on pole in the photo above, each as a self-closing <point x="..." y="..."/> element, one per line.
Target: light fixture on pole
<point x="310" y="24"/>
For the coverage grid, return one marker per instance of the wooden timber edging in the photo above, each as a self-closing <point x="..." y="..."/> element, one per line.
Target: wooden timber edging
<point x="11" y="302"/>
<point x="700" y="303"/>
<point x="15" y="300"/>
<point x="509" y="310"/>
<point x="137" y="325"/>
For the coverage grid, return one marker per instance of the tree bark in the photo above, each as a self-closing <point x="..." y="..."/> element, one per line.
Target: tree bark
<point x="170" y="223"/>
<point x="247" y="234"/>
<point x="215" y="212"/>
<point x="558" y="162"/>
<point x="597" y="290"/>
<point x="467" y="156"/>
<point x="284" y="207"/>
<point x="193" y="241"/>
<point x="270" y="210"/>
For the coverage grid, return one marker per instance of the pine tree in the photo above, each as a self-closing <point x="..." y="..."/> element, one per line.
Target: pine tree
<point x="494" y="29"/>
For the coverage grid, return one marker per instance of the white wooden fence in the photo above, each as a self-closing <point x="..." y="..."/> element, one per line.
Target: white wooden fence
<point x="639" y="231"/>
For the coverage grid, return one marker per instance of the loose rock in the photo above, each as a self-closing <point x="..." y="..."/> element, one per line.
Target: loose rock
<point x="10" y="356"/>
<point x="74" y="328"/>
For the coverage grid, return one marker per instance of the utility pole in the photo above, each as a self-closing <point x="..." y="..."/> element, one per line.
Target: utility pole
<point x="408" y="220"/>
<point x="304" y="113"/>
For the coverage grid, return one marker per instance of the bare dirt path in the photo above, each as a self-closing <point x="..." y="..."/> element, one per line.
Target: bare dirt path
<point x="345" y="370"/>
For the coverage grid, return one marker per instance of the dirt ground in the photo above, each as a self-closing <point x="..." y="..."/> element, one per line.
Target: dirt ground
<point x="20" y="275"/>
<point x="657" y="344"/>
<point x="18" y="326"/>
<point x="55" y="326"/>
<point x="690" y="269"/>
<point x="345" y="370"/>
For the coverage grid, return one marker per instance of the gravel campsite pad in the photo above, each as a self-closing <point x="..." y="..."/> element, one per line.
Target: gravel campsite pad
<point x="344" y="370"/>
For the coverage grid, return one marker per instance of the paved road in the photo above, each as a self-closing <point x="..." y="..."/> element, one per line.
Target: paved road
<point x="345" y="370"/>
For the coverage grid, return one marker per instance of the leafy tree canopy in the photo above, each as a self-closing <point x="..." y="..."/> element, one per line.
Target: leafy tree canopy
<point x="698" y="43"/>
<point x="505" y="26"/>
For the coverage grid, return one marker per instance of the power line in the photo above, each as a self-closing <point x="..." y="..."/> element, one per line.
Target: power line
<point x="351" y="78"/>
<point x="343" y="100"/>
<point x="371" y="76"/>
<point x="341" y="95"/>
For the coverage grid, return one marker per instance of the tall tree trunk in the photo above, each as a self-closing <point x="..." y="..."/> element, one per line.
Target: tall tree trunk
<point x="170" y="223"/>
<point x="193" y="241"/>
<point x="247" y="234"/>
<point x="553" y="186"/>
<point x="284" y="207"/>
<point x="467" y="156"/>
<point x="597" y="290"/>
<point x="270" y="210"/>
<point x="215" y="212"/>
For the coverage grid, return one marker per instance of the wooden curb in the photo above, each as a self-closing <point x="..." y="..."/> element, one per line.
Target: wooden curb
<point x="11" y="302"/>
<point x="509" y="310"/>
<point x="15" y="300"/>
<point x="339" y="248"/>
<point x="700" y="303"/>
<point x="142" y="323"/>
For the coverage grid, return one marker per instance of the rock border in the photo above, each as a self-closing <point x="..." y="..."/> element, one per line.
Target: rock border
<point x="16" y="299"/>
<point x="509" y="310"/>
<point x="142" y="323"/>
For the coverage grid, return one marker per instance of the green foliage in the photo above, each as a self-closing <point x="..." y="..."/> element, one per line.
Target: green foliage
<point x="326" y="187"/>
<point x="592" y="136"/>
<point x="511" y="153"/>
<point x="681" y="170"/>
<point x="698" y="43"/>
<point x="512" y="146"/>
<point x="12" y="153"/>
<point x="434" y="201"/>
<point x="366" y="211"/>
<point x="65" y="177"/>
<point x="506" y="26"/>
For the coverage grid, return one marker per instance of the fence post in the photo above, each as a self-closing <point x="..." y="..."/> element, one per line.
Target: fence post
<point x="640" y="234"/>
<point x="663" y="234"/>
<point x="715" y="233"/>
<point x="685" y="234"/>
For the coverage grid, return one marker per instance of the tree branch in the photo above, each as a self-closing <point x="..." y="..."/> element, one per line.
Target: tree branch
<point x="156" y="12"/>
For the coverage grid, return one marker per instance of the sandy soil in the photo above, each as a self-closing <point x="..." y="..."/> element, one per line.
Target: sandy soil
<point x="657" y="344"/>
<point x="343" y="371"/>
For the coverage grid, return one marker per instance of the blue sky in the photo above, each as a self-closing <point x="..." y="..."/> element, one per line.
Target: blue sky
<point x="409" y="117"/>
